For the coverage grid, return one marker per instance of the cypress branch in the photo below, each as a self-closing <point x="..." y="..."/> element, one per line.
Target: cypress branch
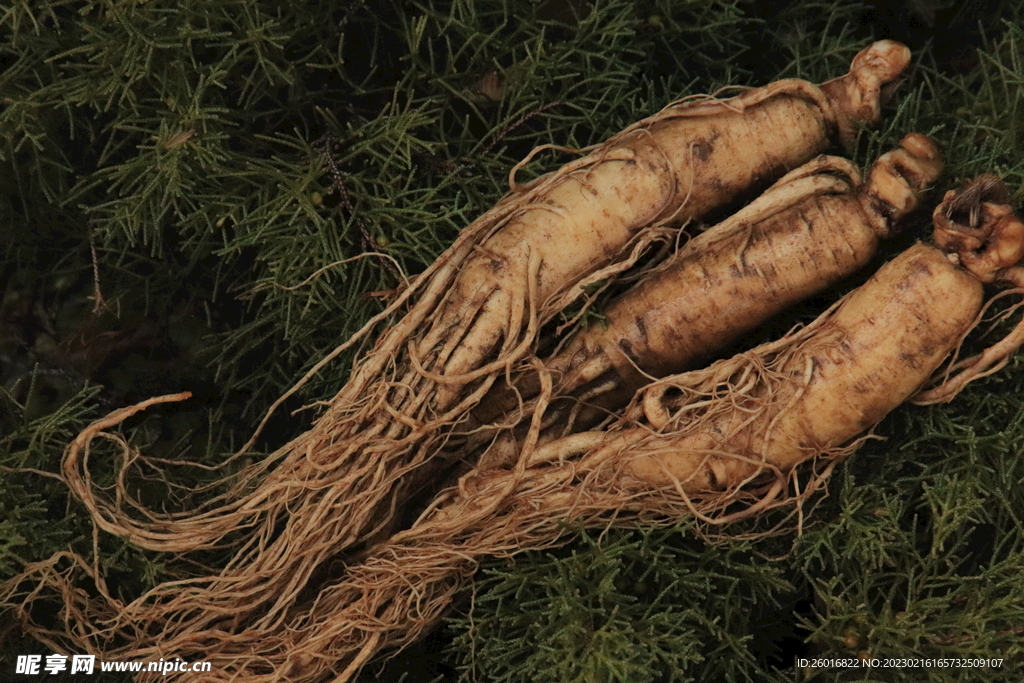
<point x="235" y="162"/>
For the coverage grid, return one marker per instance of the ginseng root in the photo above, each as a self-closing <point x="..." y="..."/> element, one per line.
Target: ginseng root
<point x="468" y="318"/>
<point x="726" y="436"/>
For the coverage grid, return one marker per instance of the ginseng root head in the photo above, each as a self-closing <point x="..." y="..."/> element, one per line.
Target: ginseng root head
<point x="976" y="224"/>
<point x="899" y="178"/>
<point x="881" y="62"/>
<point x="859" y="94"/>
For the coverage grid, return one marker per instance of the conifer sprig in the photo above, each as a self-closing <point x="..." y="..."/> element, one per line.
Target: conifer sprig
<point x="237" y="161"/>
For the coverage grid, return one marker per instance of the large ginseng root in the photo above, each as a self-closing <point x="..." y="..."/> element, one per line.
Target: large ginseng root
<point x="728" y="436"/>
<point x="814" y="227"/>
<point x="474" y="313"/>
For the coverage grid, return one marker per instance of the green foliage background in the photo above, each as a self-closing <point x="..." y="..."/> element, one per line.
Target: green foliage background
<point x="200" y="195"/>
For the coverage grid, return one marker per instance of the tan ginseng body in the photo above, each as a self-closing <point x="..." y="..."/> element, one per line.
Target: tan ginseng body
<point x="878" y="348"/>
<point x="687" y="161"/>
